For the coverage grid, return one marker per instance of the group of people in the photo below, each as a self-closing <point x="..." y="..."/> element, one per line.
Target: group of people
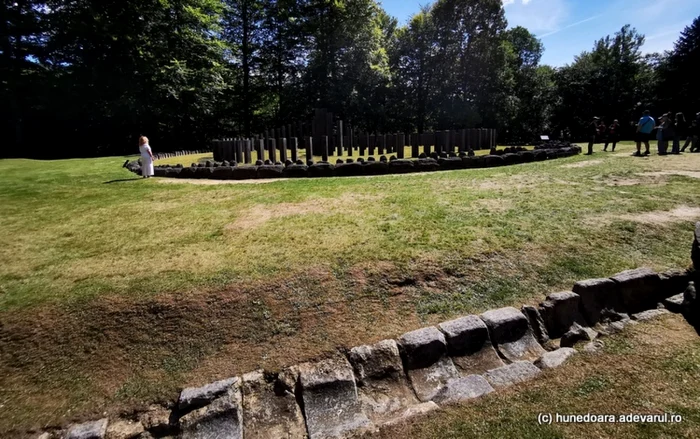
<point x="668" y="129"/>
<point x="608" y="135"/>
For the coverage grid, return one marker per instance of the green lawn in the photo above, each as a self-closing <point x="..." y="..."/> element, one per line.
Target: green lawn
<point x="115" y="290"/>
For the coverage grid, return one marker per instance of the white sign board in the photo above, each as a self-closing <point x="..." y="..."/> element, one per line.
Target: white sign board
<point x="544" y="137"/>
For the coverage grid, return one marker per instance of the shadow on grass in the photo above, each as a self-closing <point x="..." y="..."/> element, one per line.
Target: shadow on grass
<point x="122" y="180"/>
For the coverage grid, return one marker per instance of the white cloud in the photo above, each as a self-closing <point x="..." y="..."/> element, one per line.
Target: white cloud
<point x="568" y="26"/>
<point x="539" y="16"/>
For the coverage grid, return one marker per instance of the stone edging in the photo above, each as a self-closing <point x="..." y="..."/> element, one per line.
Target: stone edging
<point x="390" y="381"/>
<point x="266" y="170"/>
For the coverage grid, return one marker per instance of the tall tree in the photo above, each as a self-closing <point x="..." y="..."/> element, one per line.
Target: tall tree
<point x="242" y="30"/>
<point x="607" y="82"/>
<point x="678" y="85"/>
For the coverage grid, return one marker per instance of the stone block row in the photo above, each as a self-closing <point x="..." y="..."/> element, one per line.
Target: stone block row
<point x="301" y="169"/>
<point x="393" y="380"/>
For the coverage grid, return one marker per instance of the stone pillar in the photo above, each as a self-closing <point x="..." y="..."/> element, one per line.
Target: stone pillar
<point x="415" y="144"/>
<point x="324" y="148"/>
<point x="295" y="149"/>
<point x="283" y="149"/>
<point x="272" y="150"/>
<point x="261" y="149"/>
<point x="382" y="144"/>
<point x="400" y="145"/>
<point x="372" y="144"/>
<point x="246" y="151"/>
<point x="340" y="138"/>
<point x="309" y="145"/>
<point x="239" y="150"/>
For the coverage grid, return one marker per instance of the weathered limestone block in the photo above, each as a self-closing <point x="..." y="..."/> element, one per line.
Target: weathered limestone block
<point x="639" y="289"/>
<point x="513" y="373"/>
<point x="321" y="169"/>
<point x="195" y="397"/>
<point x="156" y="419"/>
<point x="425" y="356"/>
<point x="490" y="161"/>
<point x="649" y="314"/>
<point x="554" y="359"/>
<point x="331" y="404"/>
<point x="576" y="334"/>
<point x="296" y="171"/>
<point x="270" y="408"/>
<point x="124" y="430"/>
<point x="222" y="419"/>
<point x="593" y="346"/>
<point x="511" y="334"/>
<point x="89" y="430"/>
<point x="270" y="171"/>
<point x="401" y="166"/>
<point x="426" y="165"/>
<point x="349" y="169"/>
<point x="673" y="282"/>
<point x="469" y="345"/>
<point x="245" y="172"/>
<point x="383" y="387"/>
<point x="595" y="296"/>
<point x="462" y="389"/>
<point x="691" y="304"/>
<point x="559" y="311"/>
<point x="413" y="411"/>
<point x="223" y="173"/>
<point x="536" y="324"/>
<point x="674" y="303"/>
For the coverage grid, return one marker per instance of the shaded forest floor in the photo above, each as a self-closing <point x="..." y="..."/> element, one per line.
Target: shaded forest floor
<point x="116" y="291"/>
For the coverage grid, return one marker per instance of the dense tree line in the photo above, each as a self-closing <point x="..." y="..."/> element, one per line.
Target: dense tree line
<point x="87" y="77"/>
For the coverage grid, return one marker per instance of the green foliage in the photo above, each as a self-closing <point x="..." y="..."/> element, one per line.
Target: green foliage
<point x="99" y="74"/>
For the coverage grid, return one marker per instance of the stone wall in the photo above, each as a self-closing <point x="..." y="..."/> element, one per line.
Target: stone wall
<point x="300" y="169"/>
<point x="384" y="383"/>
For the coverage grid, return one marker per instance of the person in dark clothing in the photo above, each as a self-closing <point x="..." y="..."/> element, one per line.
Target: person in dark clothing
<point x="693" y="132"/>
<point x="680" y="132"/>
<point x="665" y="133"/>
<point x="613" y="135"/>
<point x="592" y="133"/>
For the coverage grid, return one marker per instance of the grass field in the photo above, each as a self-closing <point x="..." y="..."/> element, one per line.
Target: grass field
<point x="116" y="291"/>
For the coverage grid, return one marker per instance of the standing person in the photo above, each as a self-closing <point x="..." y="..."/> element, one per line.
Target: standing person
<point x="613" y="135"/>
<point x="592" y="133"/>
<point x="663" y="132"/>
<point x="681" y="132"/>
<point x="643" y="135"/>
<point x="692" y="137"/>
<point x="146" y="157"/>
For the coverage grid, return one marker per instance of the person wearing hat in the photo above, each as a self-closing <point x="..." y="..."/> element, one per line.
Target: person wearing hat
<point x="644" y="128"/>
<point x="592" y="133"/>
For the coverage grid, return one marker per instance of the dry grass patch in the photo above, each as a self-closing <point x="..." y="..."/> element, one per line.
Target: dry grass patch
<point x="259" y="214"/>
<point x="679" y="214"/>
<point x="582" y="164"/>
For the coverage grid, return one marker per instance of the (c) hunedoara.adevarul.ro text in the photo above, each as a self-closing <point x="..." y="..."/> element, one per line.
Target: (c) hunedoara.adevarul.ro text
<point x="593" y="418"/>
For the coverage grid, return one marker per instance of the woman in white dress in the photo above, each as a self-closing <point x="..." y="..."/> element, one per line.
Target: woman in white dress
<point x="146" y="157"/>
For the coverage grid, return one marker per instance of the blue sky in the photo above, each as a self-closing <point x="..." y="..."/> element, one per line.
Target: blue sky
<point x="568" y="27"/>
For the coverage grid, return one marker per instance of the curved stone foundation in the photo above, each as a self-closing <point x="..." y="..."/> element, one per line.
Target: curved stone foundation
<point x="349" y="168"/>
<point x="370" y="386"/>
